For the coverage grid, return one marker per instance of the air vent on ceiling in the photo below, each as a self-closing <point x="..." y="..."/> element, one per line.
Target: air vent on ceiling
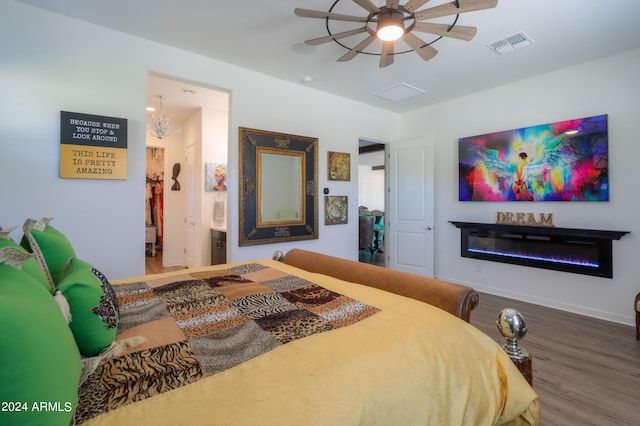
<point x="399" y="92"/>
<point x="510" y="43"/>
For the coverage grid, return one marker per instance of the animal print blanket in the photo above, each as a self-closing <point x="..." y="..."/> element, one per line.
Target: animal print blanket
<point x="200" y="324"/>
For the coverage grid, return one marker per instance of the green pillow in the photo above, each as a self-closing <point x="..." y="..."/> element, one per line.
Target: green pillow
<point x="93" y="306"/>
<point x="29" y="265"/>
<point x="39" y="360"/>
<point x="49" y="246"/>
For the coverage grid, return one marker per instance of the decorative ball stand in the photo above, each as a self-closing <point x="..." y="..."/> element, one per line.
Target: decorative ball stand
<point x="512" y="326"/>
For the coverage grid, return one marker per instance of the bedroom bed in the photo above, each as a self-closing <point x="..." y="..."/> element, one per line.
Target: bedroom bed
<point x="298" y="342"/>
<point x="389" y="360"/>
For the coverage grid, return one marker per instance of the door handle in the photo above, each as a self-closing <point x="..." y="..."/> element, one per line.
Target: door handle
<point x="428" y="228"/>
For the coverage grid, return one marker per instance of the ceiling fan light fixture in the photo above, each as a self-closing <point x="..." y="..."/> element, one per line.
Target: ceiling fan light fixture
<point x="394" y="21"/>
<point x="390" y="26"/>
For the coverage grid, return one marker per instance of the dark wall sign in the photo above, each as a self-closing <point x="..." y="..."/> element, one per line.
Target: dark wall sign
<point x="92" y="146"/>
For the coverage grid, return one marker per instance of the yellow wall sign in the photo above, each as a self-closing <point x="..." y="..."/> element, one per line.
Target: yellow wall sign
<point x="92" y="146"/>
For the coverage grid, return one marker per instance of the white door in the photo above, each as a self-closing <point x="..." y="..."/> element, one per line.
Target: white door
<point x="190" y="208"/>
<point x="411" y="212"/>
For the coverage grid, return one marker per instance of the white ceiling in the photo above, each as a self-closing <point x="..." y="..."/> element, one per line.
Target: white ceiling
<point x="267" y="36"/>
<point x="183" y="98"/>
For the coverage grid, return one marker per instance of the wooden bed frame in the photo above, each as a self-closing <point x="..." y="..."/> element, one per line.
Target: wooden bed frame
<point x="456" y="299"/>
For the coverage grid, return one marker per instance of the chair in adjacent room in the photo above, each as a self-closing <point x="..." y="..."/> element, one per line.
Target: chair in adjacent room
<point x="364" y="211"/>
<point x="365" y="236"/>
<point x="378" y="230"/>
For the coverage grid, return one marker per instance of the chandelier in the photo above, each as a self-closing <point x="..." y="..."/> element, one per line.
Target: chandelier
<point x="159" y="125"/>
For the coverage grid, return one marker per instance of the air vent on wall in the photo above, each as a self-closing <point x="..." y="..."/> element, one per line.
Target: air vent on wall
<point x="510" y="43"/>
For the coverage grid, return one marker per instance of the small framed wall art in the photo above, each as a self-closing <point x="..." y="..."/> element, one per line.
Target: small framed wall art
<point x="215" y="177"/>
<point x="339" y="164"/>
<point x="336" y="210"/>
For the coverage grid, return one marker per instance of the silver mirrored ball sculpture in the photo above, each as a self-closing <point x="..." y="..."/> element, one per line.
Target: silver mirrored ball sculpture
<point x="278" y="255"/>
<point x="512" y="326"/>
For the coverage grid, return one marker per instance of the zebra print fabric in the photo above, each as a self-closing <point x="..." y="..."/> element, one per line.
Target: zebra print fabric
<point x="213" y="321"/>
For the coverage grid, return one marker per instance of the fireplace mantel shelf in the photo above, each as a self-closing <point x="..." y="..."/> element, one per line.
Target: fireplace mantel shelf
<point x="581" y="251"/>
<point x="543" y="230"/>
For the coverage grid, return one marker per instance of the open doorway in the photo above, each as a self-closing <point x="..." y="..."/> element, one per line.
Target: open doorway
<point x="154" y="200"/>
<point x="371" y="202"/>
<point x="200" y="115"/>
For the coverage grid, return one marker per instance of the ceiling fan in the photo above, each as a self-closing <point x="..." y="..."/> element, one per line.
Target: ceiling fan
<point x="394" y="22"/>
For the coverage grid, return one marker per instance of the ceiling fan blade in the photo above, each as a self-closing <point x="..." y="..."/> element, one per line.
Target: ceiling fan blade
<point x="419" y="46"/>
<point x="306" y="13"/>
<point x="367" y="4"/>
<point x="336" y="36"/>
<point x="386" y="58"/>
<point x="353" y="52"/>
<point x="451" y="9"/>
<point x="412" y="5"/>
<point x="460" y="32"/>
<point x="392" y="4"/>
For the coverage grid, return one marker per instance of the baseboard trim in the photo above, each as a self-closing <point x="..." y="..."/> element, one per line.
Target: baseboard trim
<point x="567" y="307"/>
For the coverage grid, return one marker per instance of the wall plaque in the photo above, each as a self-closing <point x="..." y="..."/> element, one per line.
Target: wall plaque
<point x="92" y="146"/>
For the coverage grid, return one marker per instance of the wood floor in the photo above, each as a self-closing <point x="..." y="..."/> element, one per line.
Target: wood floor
<point x="153" y="264"/>
<point x="586" y="371"/>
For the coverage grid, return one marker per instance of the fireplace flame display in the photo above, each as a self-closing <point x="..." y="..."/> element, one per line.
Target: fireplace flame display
<point x="560" y="260"/>
<point x="587" y="252"/>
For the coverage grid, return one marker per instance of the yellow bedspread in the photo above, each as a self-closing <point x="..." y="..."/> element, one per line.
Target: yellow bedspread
<point x="409" y="364"/>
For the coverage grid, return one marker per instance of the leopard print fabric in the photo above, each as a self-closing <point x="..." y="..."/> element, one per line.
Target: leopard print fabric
<point x="224" y="319"/>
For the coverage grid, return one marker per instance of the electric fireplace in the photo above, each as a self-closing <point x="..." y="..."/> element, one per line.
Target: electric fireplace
<point x="580" y="251"/>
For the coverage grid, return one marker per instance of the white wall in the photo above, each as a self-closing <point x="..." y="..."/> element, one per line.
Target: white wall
<point x="56" y="63"/>
<point x="371" y="188"/>
<point x="215" y="149"/>
<point x="607" y="86"/>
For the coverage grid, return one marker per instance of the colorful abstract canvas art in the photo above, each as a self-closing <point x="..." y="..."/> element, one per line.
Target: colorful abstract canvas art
<point x="562" y="161"/>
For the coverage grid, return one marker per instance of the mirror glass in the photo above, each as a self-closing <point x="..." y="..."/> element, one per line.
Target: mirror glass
<point x="278" y="187"/>
<point x="280" y="197"/>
